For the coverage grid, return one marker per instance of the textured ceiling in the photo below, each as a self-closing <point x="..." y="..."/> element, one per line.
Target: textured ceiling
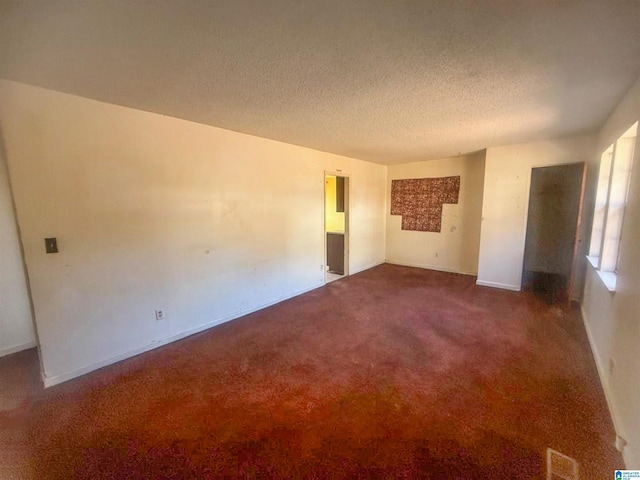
<point x="387" y="81"/>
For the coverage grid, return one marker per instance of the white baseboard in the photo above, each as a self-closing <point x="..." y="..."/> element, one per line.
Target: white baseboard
<point x="63" y="377"/>
<point x="630" y="461"/>
<point x="374" y="264"/>
<point x="428" y="267"/>
<point x="17" y="348"/>
<point x="602" y="370"/>
<point x="504" y="286"/>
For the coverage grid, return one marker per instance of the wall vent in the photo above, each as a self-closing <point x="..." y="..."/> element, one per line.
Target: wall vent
<point x="560" y="466"/>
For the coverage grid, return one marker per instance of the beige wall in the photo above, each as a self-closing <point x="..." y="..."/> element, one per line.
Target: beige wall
<point x="505" y="204"/>
<point x="16" y="325"/>
<point x="613" y="319"/>
<point x="455" y="247"/>
<point x="153" y="212"/>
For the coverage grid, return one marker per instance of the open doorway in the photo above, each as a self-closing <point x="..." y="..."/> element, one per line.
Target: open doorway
<point x="552" y="231"/>
<point x="336" y="222"/>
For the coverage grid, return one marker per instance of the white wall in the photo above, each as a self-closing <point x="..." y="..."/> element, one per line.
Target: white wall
<point x="506" y="199"/>
<point x="155" y="212"/>
<point x="613" y="319"/>
<point x="455" y="247"/>
<point x="16" y="325"/>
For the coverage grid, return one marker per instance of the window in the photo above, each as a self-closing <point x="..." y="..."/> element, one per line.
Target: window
<point x="611" y="202"/>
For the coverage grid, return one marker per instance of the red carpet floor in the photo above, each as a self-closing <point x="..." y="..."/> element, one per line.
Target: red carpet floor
<point x="392" y="373"/>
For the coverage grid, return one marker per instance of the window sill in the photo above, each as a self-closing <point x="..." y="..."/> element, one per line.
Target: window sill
<point x="608" y="278"/>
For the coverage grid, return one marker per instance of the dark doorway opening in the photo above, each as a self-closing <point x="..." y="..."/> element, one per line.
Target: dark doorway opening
<point x="552" y="226"/>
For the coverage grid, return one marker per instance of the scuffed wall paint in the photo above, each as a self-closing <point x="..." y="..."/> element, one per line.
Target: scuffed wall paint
<point x="152" y="212"/>
<point x="505" y="205"/>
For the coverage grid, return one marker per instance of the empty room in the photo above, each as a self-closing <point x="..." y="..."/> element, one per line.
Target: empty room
<point x="329" y="239"/>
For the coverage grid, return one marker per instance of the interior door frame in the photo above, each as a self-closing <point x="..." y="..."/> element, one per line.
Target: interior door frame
<point x="578" y="239"/>
<point x="347" y="210"/>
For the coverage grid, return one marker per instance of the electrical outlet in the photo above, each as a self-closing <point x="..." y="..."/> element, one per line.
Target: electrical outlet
<point x="159" y="314"/>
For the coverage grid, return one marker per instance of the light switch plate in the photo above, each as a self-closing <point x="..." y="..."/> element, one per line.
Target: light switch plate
<point x="51" y="245"/>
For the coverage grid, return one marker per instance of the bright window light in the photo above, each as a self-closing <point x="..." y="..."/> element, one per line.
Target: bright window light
<point x="611" y="202"/>
<point x="601" y="202"/>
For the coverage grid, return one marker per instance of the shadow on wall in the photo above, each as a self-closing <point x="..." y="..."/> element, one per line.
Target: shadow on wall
<point x="17" y="330"/>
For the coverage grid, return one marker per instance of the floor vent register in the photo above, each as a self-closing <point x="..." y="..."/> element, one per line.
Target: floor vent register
<point x="560" y="466"/>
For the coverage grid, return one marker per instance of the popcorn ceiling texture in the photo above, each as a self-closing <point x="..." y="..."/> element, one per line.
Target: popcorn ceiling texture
<point x="385" y="81"/>
<point x="419" y="201"/>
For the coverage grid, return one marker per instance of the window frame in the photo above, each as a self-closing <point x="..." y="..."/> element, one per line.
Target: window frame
<point x="616" y="163"/>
